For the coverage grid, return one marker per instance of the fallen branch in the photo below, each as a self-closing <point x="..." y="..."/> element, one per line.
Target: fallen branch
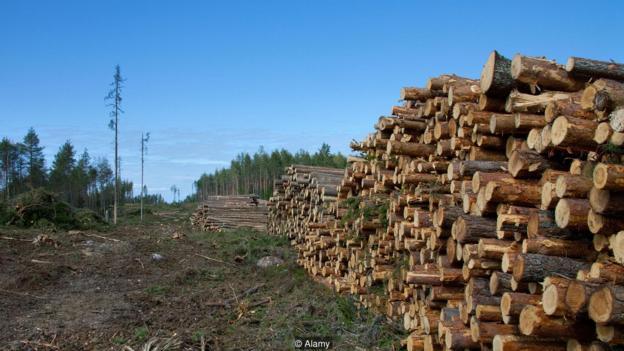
<point x="216" y="260"/>
<point x="16" y="239"/>
<point x="101" y="237"/>
<point x="21" y="294"/>
<point x="228" y="302"/>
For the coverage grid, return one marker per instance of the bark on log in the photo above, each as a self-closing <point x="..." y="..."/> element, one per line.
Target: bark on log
<point x="584" y="68"/>
<point x="603" y="225"/>
<point x="496" y="77"/>
<point x="526" y="343"/>
<point x="607" y="305"/>
<point x="572" y="214"/>
<point x="606" y="202"/>
<point x="573" y="132"/>
<point x="543" y="74"/>
<point x="409" y="149"/>
<point x="609" y="176"/>
<point x="528" y="164"/>
<point x="535" y="267"/>
<point x="569" y="185"/>
<point x="533" y="321"/>
<point x="602" y="96"/>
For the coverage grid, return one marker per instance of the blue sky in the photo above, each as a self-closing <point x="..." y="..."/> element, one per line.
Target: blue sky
<point x="210" y="79"/>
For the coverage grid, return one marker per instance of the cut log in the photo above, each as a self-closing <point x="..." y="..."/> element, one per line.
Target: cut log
<point x="469" y="229"/>
<point x="603" y="225"/>
<point x="502" y="123"/>
<point x="609" y="333"/>
<point x="607" y="305"/>
<point x="535" y="267"/>
<point x="609" y="176"/>
<point x="496" y="77"/>
<point x="526" y="343"/>
<point x="583" y="250"/>
<point x="542" y="74"/>
<point x="573" y="132"/>
<point x="603" y="96"/>
<point x="585" y="68"/>
<point x="617" y="245"/>
<point x="524" y="122"/>
<point x="566" y="107"/>
<point x="577" y="296"/>
<point x="569" y="185"/>
<point x="572" y="214"/>
<point x="419" y="94"/>
<point x="606" y="202"/>
<point x="513" y="191"/>
<point x="528" y="164"/>
<point x="485" y="332"/>
<point x="489" y="103"/>
<point x="512" y="303"/>
<point x="409" y="149"/>
<point x="533" y="321"/>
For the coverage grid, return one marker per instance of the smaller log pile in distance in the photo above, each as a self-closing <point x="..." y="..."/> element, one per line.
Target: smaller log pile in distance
<point x="484" y="214"/>
<point x="300" y="197"/>
<point x="217" y="213"/>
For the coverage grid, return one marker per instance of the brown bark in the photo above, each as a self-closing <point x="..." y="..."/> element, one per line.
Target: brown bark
<point x="572" y="214"/>
<point x="526" y="343"/>
<point x="485" y="332"/>
<point x="512" y="303"/>
<point x="607" y="271"/>
<point x="513" y="191"/>
<point x="535" y="267"/>
<point x="607" y="305"/>
<point x="469" y="229"/>
<point x="482" y="154"/>
<point x="495" y="248"/>
<point x="568" y="107"/>
<point x="569" y="185"/>
<point x="502" y="123"/>
<point x="419" y="94"/>
<point x="533" y="321"/>
<point x="603" y="95"/>
<point x="409" y="149"/>
<point x="494" y="104"/>
<point x="586" y="68"/>
<point x="528" y="164"/>
<point x="542" y="74"/>
<point x="496" y="77"/>
<point x="609" y="176"/>
<point x="469" y="168"/>
<point x="528" y="103"/>
<point x="577" y="296"/>
<point x="603" y="133"/>
<point x="606" y="202"/>
<point x="559" y="247"/>
<point x="603" y="225"/>
<point x="573" y="132"/>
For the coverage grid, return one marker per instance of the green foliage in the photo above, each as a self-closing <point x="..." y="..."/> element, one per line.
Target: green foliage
<point x="249" y="174"/>
<point x="141" y="333"/>
<point x="157" y="290"/>
<point x="353" y="210"/>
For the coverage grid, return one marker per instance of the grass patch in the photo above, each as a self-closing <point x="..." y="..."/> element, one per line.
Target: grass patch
<point x="141" y="333"/>
<point x="157" y="290"/>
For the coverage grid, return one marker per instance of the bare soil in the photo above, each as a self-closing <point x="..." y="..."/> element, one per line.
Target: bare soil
<point x="109" y="290"/>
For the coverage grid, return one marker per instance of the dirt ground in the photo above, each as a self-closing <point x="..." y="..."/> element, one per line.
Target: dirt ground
<point x="139" y="287"/>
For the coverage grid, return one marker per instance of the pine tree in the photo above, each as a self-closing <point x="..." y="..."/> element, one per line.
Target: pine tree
<point x="61" y="172"/>
<point x="115" y="95"/>
<point x="35" y="161"/>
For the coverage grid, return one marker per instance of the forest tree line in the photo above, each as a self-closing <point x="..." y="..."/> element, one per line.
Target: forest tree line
<point x="254" y="174"/>
<point x="78" y="179"/>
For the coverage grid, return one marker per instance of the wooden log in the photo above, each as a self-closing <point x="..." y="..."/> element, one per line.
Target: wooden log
<point x="524" y="122"/>
<point x="609" y="333"/>
<point x="528" y="103"/>
<point x="496" y="77"/>
<point x="572" y="214"/>
<point x="603" y="133"/>
<point x="480" y="178"/>
<point x="535" y="267"/>
<point x="585" y="68"/>
<point x="513" y="191"/>
<point x="485" y="332"/>
<point x="419" y="94"/>
<point x="482" y="154"/>
<point x="553" y="297"/>
<point x="607" y="271"/>
<point x="469" y="168"/>
<point x="559" y="247"/>
<point x="577" y="296"/>
<point x="606" y="202"/>
<point x="609" y="176"/>
<point x="502" y="123"/>
<point x="573" y="132"/>
<point x="533" y="321"/>
<point x="617" y="245"/>
<point x="542" y="74"/>
<point x="512" y="303"/>
<point x="567" y="107"/>
<point x="569" y="185"/>
<point x="549" y="196"/>
<point x="469" y="229"/>
<point x="489" y="103"/>
<point x="603" y="225"/>
<point x="528" y="164"/>
<point x="607" y="305"/>
<point x="603" y="95"/>
<point x="526" y="343"/>
<point x="409" y="149"/>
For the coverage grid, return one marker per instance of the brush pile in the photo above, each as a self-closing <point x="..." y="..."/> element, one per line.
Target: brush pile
<point x="217" y="213"/>
<point x="483" y="213"/>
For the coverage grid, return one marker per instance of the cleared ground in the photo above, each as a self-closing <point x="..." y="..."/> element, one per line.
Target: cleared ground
<point x="107" y="290"/>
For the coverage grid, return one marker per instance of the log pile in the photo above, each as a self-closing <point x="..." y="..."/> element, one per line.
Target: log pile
<point x="483" y="214"/>
<point x="217" y="213"/>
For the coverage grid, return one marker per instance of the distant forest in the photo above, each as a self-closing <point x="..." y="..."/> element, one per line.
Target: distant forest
<point x="77" y="179"/>
<point x="254" y="174"/>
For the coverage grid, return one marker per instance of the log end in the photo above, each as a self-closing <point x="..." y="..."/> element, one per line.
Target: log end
<point x="601" y="305"/>
<point x="559" y="130"/>
<point x="516" y="66"/>
<point x="562" y="213"/>
<point x="550" y="299"/>
<point x="600" y="175"/>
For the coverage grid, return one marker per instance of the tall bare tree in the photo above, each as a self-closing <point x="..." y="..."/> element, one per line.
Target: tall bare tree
<point x="115" y="95"/>
<point x="144" y="140"/>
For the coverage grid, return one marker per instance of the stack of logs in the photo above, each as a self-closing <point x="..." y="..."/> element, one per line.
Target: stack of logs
<point x="217" y="213"/>
<point x="483" y="214"/>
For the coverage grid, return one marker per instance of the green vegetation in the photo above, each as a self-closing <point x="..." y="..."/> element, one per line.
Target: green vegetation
<point x="254" y="174"/>
<point x="141" y="333"/>
<point x="157" y="290"/>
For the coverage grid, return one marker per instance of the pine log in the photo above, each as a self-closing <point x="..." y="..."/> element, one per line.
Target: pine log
<point x="577" y="296"/>
<point x="535" y="267"/>
<point x="524" y="122"/>
<point x="585" y="68"/>
<point x="603" y="133"/>
<point x="607" y="271"/>
<point x="559" y="247"/>
<point x="572" y="214"/>
<point x="617" y="245"/>
<point x="489" y="103"/>
<point x="573" y="132"/>
<point x="513" y="191"/>
<point x="609" y="333"/>
<point x="606" y="202"/>
<point x="542" y="74"/>
<point x="609" y="176"/>
<point x="528" y="164"/>
<point x="512" y="303"/>
<point x="567" y="107"/>
<point x="485" y="332"/>
<point x="533" y="321"/>
<point x="502" y="123"/>
<point x="569" y="185"/>
<point x="409" y="149"/>
<point x="603" y="225"/>
<point x="469" y="229"/>
<point x="528" y="103"/>
<point x="607" y="305"/>
<point x="496" y="77"/>
<point x="419" y="94"/>
<point x="603" y="95"/>
<point x="526" y="343"/>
